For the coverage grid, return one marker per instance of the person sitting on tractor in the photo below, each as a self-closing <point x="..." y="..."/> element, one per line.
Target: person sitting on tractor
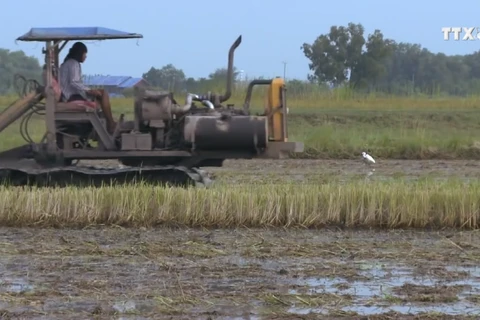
<point x="73" y="88"/>
<point x="77" y="105"/>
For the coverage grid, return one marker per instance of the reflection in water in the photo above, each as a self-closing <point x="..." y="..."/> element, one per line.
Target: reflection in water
<point x="378" y="285"/>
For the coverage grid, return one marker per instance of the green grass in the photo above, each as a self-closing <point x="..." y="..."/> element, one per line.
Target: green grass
<point x="399" y="134"/>
<point x="342" y="125"/>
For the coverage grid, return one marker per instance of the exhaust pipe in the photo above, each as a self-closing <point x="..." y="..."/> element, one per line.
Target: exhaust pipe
<point x="228" y="92"/>
<point x="215" y="99"/>
<point x="175" y="108"/>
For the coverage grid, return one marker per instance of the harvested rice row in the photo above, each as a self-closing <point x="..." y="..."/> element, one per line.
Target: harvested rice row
<point x="356" y="204"/>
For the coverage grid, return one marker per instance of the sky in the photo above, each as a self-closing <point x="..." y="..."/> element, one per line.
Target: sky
<point x="196" y="35"/>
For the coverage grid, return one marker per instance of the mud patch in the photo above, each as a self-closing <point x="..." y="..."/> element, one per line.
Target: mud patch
<point x="323" y="171"/>
<point x="438" y="293"/>
<point x="255" y="274"/>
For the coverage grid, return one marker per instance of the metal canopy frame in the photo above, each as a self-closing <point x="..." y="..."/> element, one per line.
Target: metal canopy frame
<point x="53" y="38"/>
<point x="76" y="33"/>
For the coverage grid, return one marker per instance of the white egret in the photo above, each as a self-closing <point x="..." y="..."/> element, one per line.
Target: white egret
<point x="368" y="159"/>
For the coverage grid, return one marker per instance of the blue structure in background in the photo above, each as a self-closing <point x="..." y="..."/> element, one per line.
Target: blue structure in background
<point x="114" y="85"/>
<point x="130" y="83"/>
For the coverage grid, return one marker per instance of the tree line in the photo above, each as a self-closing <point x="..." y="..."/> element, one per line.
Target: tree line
<point x="343" y="57"/>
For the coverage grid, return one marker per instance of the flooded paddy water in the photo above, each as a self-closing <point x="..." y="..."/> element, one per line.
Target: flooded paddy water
<point x="314" y="171"/>
<point x="116" y="273"/>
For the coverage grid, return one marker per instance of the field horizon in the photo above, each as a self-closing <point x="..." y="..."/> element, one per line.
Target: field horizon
<point x="340" y="124"/>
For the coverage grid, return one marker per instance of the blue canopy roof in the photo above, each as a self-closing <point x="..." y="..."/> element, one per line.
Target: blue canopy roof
<point x="76" y="33"/>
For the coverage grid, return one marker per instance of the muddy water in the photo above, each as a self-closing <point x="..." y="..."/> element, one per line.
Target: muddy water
<point x="237" y="274"/>
<point x="325" y="170"/>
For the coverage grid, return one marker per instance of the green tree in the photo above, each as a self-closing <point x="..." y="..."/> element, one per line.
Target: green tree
<point x="332" y="56"/>
<point x="16" y="62"/>
<point x="220" y="74"/>
<point x="371" y="65"/>
<point x="345" y="56"/>
<point x="168" y="78"/>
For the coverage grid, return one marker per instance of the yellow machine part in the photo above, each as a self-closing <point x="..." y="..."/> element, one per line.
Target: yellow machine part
<point x="275" y="108"/>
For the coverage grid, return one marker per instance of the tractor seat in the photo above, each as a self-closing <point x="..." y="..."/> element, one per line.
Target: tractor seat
<point x="75" y="106"/>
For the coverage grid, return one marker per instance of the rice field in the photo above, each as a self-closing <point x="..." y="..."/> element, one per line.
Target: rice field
<point x="321" y="236"/>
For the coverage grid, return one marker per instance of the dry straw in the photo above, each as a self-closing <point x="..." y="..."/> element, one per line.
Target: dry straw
<point x="356" y="204"/>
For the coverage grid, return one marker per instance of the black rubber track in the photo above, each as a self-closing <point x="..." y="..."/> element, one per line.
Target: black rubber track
<point x="94" y="176"/>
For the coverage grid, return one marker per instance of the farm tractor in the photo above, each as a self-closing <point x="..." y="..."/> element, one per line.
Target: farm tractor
<point x="166" y="142"/>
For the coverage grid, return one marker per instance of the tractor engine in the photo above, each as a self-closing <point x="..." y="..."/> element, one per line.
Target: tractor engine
<point x="161" y="123"/>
